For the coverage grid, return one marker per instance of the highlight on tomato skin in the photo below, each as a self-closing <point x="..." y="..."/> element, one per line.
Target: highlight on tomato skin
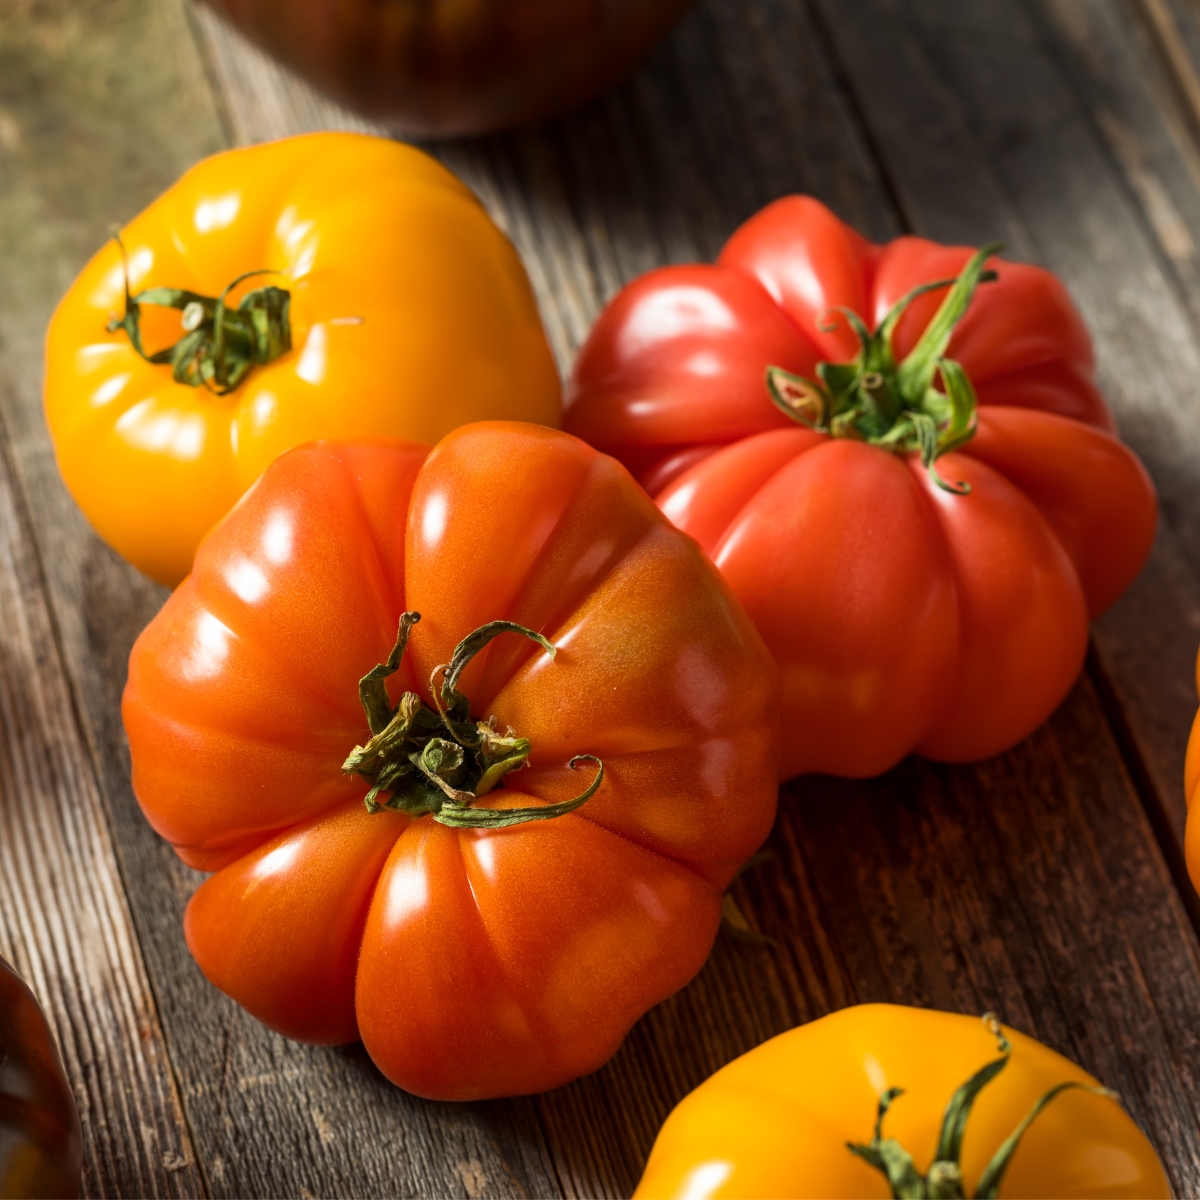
<point x="900" y="460"/>
<point x="327" y="285"/>
<point x="472" y="740"/>
<point x="832" y="1108"/>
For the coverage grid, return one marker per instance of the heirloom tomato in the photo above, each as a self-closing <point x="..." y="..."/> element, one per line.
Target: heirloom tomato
<point x="41" y="1143"/>
<point x="449" y="67"/>
<point x="922" y="560"/>
<point x="476" y="949"/>
<point x="331" y="285"/>
<point x="875" y="1100"/>
<point x="1191" y="787"/>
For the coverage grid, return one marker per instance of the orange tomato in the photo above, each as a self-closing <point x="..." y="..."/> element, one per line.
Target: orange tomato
<point x="1191" y="790"/>
<point x="472" y="962"/>
<point x="408" y="314"/>
<point x="776" y="1122"/>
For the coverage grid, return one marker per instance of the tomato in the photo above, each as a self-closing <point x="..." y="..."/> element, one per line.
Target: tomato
<point x="393" y="307"/>
<point x="794" y="1117"/>
<point x="1191" y="789"/>
<point x="41" y="1142"/>
<point x="445" y="68"/>
<point x="921" y="560"/>
<point x="472" y="961"/>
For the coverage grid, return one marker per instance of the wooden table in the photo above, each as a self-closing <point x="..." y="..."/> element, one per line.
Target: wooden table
<point x="1047" y="884"/>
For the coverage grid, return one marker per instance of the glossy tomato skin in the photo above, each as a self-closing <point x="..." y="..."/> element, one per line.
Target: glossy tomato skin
<point x="445" y="69"/>
<point x="470" y="963"/>
<point x="1191" y="790"/>
<point x="903" y="617"/>
<point x="41" y="1142"/>
<point x="410" y="313"/>
<point x="775" y="1122"/>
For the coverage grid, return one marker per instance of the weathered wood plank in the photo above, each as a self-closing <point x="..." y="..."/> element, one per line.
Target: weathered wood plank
<point x="1174" y="26"/>
<point x="1115" y="65"/>
<point x="64" y="921"/>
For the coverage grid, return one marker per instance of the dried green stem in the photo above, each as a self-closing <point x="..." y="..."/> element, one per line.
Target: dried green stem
<point x="440" y="762"/>
<point x="220" y="345"/>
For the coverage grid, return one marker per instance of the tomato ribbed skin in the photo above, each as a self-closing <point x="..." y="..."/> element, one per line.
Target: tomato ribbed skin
<point x="472" y="963"/>
<point x="775" y="1122"/>
<point x="410" y="314"/>
<point x="902" y="616"/>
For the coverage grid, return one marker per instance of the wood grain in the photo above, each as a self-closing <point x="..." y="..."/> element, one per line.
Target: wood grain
<point x="64" y="921"/>
<point x="1175" y="27"/>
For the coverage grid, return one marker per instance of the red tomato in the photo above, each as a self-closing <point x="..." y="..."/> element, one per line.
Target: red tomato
<point x="903" y="616"/>
<point x="471" y="962"/>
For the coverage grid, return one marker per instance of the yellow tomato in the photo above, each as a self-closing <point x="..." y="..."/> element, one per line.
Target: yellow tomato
<point x="776" y="1122"/>
<point x="390" y="306"/>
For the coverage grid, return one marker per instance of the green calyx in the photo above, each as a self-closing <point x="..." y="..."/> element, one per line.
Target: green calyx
<point x="943" y="1180"/>
<point x="439" y="761"/>
<point x="892" y="405"/>
<point x="220" y="345"/>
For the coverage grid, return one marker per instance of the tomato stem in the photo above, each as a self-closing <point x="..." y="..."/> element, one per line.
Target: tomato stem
<point x="893" y="405"/>
<point x="437" y="760"/>
<point x="220" y="345"/>
<point x="943" y="1180"/>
